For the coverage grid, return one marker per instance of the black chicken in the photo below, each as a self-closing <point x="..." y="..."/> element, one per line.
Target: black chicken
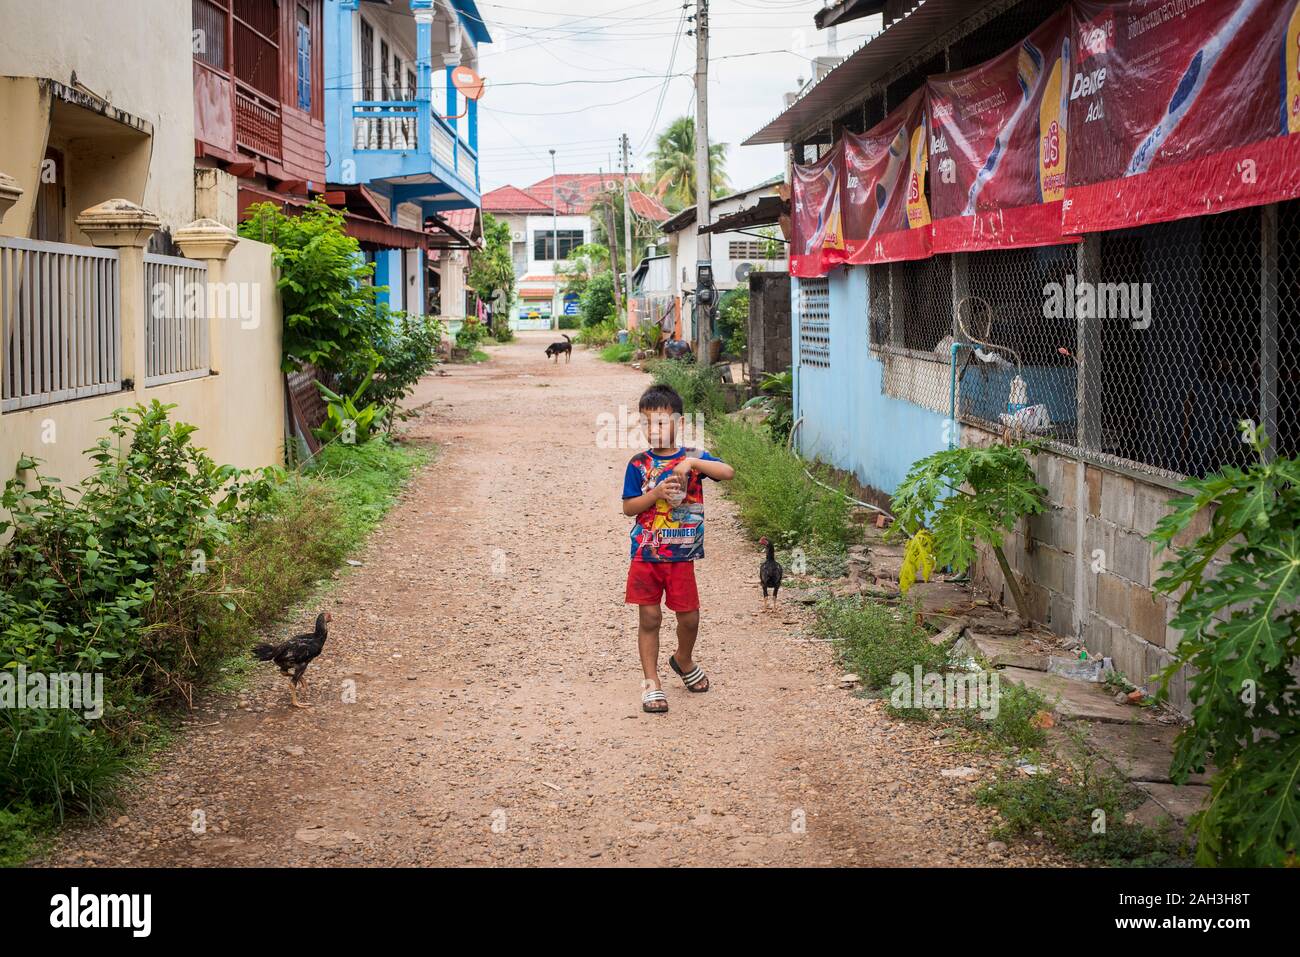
<point x="293" y="656"/>
<point x="770" y="572"/>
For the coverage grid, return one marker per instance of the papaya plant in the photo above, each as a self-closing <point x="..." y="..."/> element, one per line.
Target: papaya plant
<point x="1239" y="614"/>
<point x="345" y="417"/>
<point x="953" y="501"/>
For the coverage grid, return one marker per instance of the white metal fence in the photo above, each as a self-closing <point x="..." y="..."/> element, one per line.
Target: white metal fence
<point x="60" y="324"/>
<point x="176" y="327"/>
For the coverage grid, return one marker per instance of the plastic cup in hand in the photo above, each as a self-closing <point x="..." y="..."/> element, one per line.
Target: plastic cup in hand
<point x="676" y="493"/>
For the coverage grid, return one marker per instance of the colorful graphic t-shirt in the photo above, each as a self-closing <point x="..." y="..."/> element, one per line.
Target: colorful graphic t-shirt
<point x="664" y="532"/>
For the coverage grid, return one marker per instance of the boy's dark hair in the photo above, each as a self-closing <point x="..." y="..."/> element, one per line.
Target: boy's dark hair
<point x="660" y="397"/>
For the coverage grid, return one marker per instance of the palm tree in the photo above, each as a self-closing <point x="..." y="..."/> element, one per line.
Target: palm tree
<point x="673" y="165"/>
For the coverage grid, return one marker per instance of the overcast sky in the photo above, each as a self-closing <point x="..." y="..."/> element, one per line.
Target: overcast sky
<point x="618" y="52"/>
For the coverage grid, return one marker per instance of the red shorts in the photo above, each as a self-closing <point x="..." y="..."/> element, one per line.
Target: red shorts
<point x="648" y="582"/>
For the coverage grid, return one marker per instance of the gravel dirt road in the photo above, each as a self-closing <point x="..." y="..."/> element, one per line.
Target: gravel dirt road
<point x="497" y="714"/>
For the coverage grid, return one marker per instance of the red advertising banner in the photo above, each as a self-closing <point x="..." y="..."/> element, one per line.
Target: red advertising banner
<point x="997" y="146"/>
<point x="886" y="213"/>
<point x="817" y="240"/>
<point x="1180" y="108"/>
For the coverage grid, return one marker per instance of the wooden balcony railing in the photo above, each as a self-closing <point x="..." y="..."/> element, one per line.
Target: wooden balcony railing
<point x="257" y="123"/>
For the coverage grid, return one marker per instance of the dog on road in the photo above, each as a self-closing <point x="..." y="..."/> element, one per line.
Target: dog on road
<point x="555" y="349"/>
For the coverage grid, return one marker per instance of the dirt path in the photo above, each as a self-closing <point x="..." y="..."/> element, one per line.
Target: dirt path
<point x="497" y="716"/>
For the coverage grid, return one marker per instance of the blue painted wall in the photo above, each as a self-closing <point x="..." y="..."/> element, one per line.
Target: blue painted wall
<point x="849" y="422"/>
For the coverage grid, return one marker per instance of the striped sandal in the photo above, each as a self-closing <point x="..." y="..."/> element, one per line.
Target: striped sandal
<point x="692" y="680"/>
<point x="651" y="700"/>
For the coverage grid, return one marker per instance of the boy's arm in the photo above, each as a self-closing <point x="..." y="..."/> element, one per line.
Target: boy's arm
<point x="639" y="503"/>
<point x="715" y="469"/>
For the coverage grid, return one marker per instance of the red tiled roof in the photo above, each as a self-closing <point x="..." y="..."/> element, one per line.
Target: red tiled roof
<point x="510" y="199"/>
<point x="575" y="193"/>
<point x="461" y="220"/>
<point x="647" y="207"/>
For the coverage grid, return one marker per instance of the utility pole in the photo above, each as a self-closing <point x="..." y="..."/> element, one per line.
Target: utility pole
<point x="613" y="242"/>
<point x="555" y="239"/>
<point x="626" y="146"/>
<point x="703" y="246"/>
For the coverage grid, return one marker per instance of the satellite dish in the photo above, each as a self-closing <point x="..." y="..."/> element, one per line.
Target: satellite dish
<point x="469" y="83"/>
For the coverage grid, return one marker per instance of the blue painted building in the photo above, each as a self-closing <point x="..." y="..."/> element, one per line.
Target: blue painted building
<point x="401" y="139"/>
<point x="893" y="362"/>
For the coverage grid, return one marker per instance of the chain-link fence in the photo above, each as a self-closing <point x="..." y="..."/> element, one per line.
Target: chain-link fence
<point x="1143" y="347"/>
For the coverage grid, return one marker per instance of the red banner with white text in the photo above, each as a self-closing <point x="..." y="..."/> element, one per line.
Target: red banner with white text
<point x="997" y="146"/>
<point x="817" y="240"/>
<point x="1180" y="108"/>
<point x="886" y="213"/>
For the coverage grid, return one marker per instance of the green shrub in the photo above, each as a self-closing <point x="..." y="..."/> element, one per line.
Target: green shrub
<point x="121" y="578"/>
<point x="406" y="350"/>
<point x="957" y="499"/>
<point x="877" y="641"/>
<point x="330" y="315"/>
<point x="596" y="303"/>
<point x="1080" y="811"/>
<point x="733" y="321"/>
<point x="1237" y="590"/>
<point x="601" y="334"/>
<point x="773" y="494"/>
<point x="470" y="334"/>
<point x="154" y="573"/>
<point x="1015" y="726"/>
<point x="699" y="386"/>
<point x="618" y="352"/>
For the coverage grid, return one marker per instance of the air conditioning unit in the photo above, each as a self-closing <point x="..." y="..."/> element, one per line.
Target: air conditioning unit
<point x="517" y="236"/>
<point x="743" y="270"/>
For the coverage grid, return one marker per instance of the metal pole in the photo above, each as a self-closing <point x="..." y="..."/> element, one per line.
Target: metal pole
<point x="703" y="243"/>
<point x="555" y="239"/>
<point x="627" y="224"/>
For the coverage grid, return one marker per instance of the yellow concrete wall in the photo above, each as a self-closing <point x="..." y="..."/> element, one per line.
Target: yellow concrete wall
<point x="137" y="55"/>
<point x="239" y="412"/>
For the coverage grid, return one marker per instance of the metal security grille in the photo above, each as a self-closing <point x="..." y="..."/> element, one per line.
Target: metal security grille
<point x="60" y="329"/>
<point x="910" y="318"/>
<point x="814" y="323"/>
<point x="176" y="325"/>
<point x="1143" y="348"/>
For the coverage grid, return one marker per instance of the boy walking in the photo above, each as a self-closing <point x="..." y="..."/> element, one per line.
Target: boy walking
<point x="664" y="489"/>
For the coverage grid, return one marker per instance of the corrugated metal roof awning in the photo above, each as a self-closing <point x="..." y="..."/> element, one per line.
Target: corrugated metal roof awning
<point x="899" y="41"/>
<point x="766" y="212"/>
<point x="368" y="232"/>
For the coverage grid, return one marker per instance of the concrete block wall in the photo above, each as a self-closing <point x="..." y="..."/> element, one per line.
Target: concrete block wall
<point x="1109" y="579"/>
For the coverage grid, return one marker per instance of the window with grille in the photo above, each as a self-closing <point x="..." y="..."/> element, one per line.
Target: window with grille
<point x="257" y="45"/>
<point x="544" y="249"/>
<point x="814" y="323"/>
<point x="367" y="61"/>
<point x="304" y="59"/>
<point x="749" y="249"/>
<point x="209" y="37"/>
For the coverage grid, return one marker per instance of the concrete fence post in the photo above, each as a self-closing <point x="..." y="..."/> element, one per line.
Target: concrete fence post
<point x="9" y="193"/>
<point x="122" y="225"/>
<point x="211" y="242"/>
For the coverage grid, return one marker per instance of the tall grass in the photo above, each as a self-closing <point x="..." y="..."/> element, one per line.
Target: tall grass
<point x="699" y="386"/>
<point x="55" y="763"/>
<point x="773" y="494"/>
